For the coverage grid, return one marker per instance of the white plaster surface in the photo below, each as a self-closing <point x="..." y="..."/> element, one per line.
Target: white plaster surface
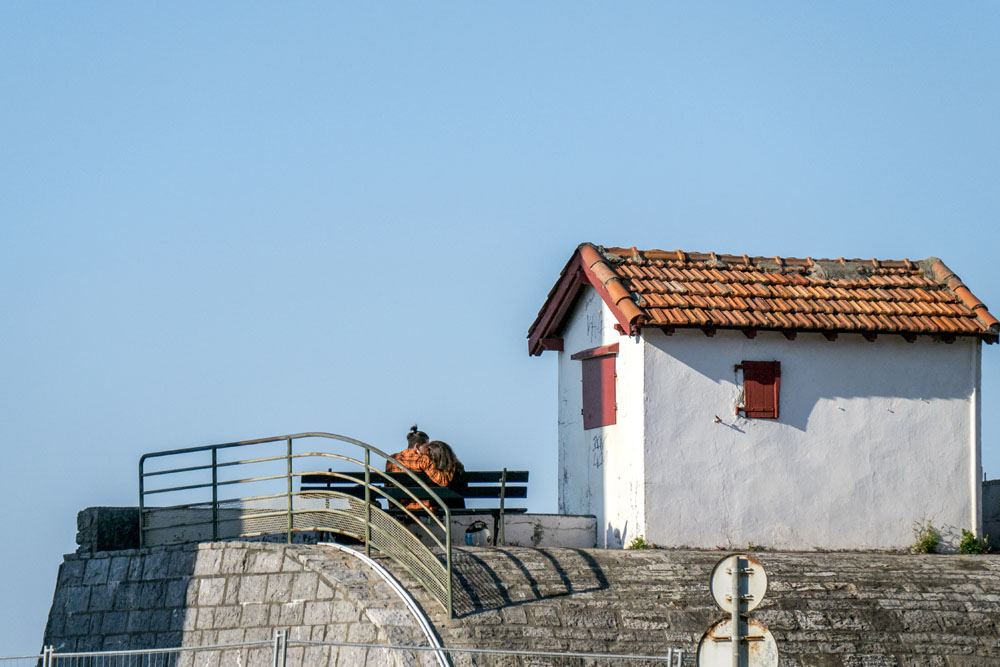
<point x="601" y="469"/>
<point x="525" y="530"/>
<point x="551" y="530"/>
<point x="871" y="438"/>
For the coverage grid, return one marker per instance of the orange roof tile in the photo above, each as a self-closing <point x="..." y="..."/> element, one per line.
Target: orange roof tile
<point x="706" y="290"/>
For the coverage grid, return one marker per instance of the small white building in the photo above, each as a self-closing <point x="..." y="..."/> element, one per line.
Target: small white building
<point x="719" y="400"/>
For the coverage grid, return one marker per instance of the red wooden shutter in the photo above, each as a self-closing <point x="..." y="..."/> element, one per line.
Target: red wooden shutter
<point x="761" y="383"/>
<point x="598" y="392"/>
<point x="599" y="407"/>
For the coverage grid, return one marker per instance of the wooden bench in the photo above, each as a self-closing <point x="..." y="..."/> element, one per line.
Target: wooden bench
<point x="477" y="485"/>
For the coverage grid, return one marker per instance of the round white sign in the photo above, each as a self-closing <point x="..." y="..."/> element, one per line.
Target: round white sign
<point x="752" y="582"/>
<point x="716" y="649"/>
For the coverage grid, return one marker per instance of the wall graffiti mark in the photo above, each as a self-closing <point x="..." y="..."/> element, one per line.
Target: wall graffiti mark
<point x="597" y="451"/>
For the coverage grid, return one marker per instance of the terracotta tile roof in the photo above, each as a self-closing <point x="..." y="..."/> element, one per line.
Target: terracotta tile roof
<point x="675" y="289"/>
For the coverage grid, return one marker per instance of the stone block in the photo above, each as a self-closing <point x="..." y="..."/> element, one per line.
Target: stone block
<point x="159" y="620"/>
<point x="206" y="619"/>
<point x="211" y="591"/>
<point x="138" y="621"/>
<point x="75" y="599"/>
<point x="323" y="591"/>
<point x="389" y="616"/>
<point x="252" y="588"/>
<point x="267" y="560"/>
<point x="254" y="615"/>
<point x="71" y="572"/>
<point x="115" y="643"/>
<point x="118" y="570"/>
<point x="155" y="565"/>
<point x="206" y="658"/>
<point x="231" y="635"/>
<point x="291" y="565"/>
<point x="96" y="571"/>
<point x="101" y="597"/>
<point x="362" y="633"/>
<point x="114" y="622"/>
<point x="304" y="586"/>
<point x="89" y="643"/>
<point x="208" y="561"/>
<point x="178" y="618"/>
<point x="259" y="635"/>
<point x="279" y="588"/>
<point x="152" y="594"/>
<point x="232" y="590"/>
<point x="56" y="625"/>
<point x="81" y="624"/>
<point x="181" y="563"/>
<point x="317" y="612"/>
<point x="176" y="595"/>
<point x="291" y="613"/>
<point x="168" y="639"/>
<point x="190" y="621"/>
<point x="316" y="655"/>
<point x="135" y="568"/>
<point x="234" y="560"/>
<point x="228" y="616"/>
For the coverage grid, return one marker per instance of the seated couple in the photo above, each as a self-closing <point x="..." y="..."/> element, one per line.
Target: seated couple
<point x="435" y="459"/>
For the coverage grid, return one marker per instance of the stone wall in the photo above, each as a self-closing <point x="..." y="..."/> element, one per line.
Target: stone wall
<point x="824" y="609"/>
<point x="214" y="593"/>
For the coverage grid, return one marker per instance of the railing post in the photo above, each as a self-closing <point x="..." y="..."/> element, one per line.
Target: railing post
<point x="215" y="494"/>
<point x="499" y="537"/>
<point x="279" y="649"/>
<point x="142" y="460"/>
<point x="47" y="656"/>
<point x="447" y="558"/>
<point x="368" y="503"/>
<point x="288" y="459"/>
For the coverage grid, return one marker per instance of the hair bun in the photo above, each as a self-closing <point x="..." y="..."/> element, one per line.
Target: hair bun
<point x="413" y="429"/>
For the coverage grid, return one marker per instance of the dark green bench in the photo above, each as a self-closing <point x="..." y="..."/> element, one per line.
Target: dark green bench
<point x="479" y="485"/>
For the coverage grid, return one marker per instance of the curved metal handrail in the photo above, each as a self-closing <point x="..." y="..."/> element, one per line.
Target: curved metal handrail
<point x="258" y="515"/>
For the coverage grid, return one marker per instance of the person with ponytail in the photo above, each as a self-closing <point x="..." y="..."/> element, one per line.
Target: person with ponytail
<point x="414" y="457"/>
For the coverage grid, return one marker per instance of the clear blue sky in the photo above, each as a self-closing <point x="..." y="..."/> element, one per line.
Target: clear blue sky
<point x="230" y="220"/>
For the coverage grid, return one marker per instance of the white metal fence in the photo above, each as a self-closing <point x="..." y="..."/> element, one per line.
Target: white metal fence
<point x="283" y="652"/>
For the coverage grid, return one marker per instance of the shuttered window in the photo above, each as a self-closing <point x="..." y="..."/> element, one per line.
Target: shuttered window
<point x="598" y="369"/>
<point x="761" y="388"/>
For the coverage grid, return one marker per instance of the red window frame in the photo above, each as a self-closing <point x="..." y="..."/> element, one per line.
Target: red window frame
<point x="598" y="379"/>
<point x="761" y="389"/>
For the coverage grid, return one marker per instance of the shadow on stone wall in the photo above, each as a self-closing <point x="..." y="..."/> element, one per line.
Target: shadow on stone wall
<point x="512" y="577"/>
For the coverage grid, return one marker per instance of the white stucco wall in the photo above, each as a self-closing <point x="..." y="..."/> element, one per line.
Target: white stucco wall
<point x="872" y="436"/>
<point x="601" y="469"/>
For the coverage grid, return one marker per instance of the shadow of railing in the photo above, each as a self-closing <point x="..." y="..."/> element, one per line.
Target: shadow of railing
<point x="504" y="578"/>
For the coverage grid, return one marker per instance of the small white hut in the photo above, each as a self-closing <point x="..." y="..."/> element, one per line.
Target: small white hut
<point x="719" y="400"/>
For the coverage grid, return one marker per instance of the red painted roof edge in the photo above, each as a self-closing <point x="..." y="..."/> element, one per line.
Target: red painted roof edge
<point x="950" y="280"/>
<point x="586" y="265"/>
<point x="557" y="303"/>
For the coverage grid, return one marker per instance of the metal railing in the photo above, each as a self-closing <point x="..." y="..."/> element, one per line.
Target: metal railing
<point x="276" y="653"/>
<point x="215" y="494"/>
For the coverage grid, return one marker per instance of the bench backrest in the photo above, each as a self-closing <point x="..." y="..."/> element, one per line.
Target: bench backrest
<point x="477" y="483"/>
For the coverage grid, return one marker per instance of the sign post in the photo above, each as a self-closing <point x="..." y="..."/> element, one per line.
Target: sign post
<point x="738" y="584"/>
